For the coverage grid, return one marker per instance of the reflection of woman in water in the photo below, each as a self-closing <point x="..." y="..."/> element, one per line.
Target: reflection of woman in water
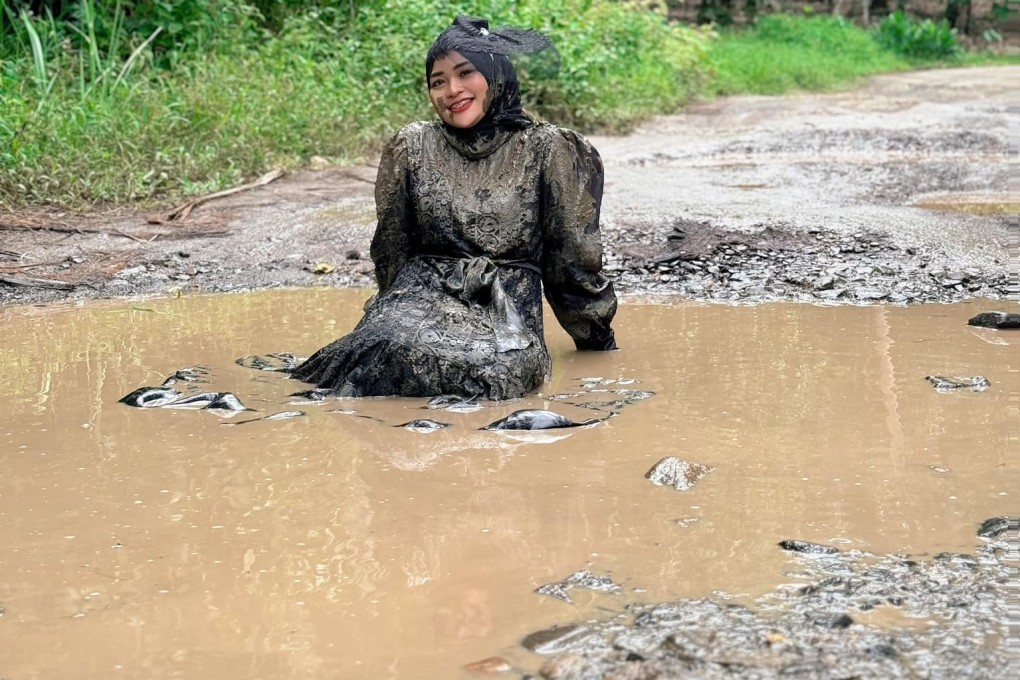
<point x="477" y="212"/>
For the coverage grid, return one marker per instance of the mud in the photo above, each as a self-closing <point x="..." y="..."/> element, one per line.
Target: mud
<point x="334" y="542"/>
<point x="894" y="192"/>
<point x="827" y="622"/>
<point x="164" y="543"/>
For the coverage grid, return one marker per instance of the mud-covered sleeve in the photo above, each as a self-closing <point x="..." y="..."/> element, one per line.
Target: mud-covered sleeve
<point x="391" y="245"/>
<point x="579" y="293"/>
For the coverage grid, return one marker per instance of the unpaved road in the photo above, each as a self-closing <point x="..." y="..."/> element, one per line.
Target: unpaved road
<point x="894" y="192"/>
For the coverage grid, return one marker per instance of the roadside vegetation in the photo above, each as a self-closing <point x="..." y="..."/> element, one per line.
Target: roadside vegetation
<point x="126" y="100"/>
<point x="780" y="53"/>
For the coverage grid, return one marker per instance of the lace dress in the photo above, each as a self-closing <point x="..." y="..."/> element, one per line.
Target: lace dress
<point x="467" y="238"/>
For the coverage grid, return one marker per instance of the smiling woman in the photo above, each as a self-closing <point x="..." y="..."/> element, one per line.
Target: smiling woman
<point x="478" y="213"/>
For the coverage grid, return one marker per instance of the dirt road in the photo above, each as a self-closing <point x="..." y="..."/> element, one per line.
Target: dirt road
<point x="894" y="192"/>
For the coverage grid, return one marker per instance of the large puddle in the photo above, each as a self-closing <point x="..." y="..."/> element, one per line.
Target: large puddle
<point x="159" y="543"/>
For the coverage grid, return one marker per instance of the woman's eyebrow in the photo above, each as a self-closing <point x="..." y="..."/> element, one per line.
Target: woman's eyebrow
<point x="436" y="74"/>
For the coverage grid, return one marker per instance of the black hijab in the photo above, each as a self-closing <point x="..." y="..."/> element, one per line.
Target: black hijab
<point x="487" y="51"/>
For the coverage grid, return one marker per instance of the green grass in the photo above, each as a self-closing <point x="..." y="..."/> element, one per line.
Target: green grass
<point x="90" y="114"/>
<point x="117" y="107"/>
<point x="784" y="53"/>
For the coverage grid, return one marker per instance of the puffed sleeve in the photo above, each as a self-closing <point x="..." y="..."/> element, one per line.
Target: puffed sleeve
<point x="391" y="244"/>
<point x="579" y="293"/>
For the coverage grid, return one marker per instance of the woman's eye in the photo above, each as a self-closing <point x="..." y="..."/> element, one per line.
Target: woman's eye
<point x="466" y="72"/>
<point x="435" y="84"/>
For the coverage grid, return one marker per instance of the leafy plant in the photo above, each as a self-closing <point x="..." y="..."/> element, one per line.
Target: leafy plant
<point x="128" y="100"/>
<point x="923" y="39"/>
<point x="779" y="53"/>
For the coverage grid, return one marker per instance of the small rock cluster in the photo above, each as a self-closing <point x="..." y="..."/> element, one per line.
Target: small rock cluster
<point x="817" y="266"/>
<point x="579" y="579"/>
<point x="817" y="630"/>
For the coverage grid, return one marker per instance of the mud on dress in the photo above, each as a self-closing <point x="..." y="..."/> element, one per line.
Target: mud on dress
<point x="466" y="240"/>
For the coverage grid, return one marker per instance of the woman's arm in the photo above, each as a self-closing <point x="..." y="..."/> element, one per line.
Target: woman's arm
<point x="391" y="244"/>
<point x="579" y="293"/>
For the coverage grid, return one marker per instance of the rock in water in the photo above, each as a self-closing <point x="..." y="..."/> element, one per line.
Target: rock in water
<point x="197" y="374"/>
<point x="535" y="419"/>
<point x="282" y="415"/>
<point x="554" y="640"/>
<point x="150" y="397"/>
<point x="945" y="383"/>
<point x="423" y="425"/>
<point x="807" y="548"/>
<point x="996" y="526"/>
<point x="226" y="401"/>
<point x="1001" y="320"/>
<point x="283" y="362"/>
<point x="490" y="666"/>
<point x="579" y="579"/>
<point x="679" y="474"/>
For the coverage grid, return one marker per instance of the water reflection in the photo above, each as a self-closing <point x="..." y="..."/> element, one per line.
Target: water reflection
<point x="159" y="543"/>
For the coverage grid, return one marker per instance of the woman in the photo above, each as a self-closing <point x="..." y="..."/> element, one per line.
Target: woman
<point x="476" y="213"/>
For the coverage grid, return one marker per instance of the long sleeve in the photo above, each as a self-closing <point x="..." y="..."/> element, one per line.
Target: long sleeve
<point x="391" y="244"/>
<point x="579" y="293"/>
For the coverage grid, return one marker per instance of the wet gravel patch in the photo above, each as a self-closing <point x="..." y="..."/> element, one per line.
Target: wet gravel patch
<point x="703" y="262"/>
<point x="953" y="610"/>
<point x="816" y="198"/>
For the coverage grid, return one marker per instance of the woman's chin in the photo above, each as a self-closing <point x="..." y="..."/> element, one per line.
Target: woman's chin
<point x="462" y="121"/>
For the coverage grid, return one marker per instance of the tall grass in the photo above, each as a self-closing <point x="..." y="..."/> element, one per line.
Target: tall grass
<point x="126" y="100"/>
<point x="782" y="53"/>
<point x="91" y="111"/>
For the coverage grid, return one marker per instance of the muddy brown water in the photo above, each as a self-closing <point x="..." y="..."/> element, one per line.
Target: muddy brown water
<point x="159" y="544"/>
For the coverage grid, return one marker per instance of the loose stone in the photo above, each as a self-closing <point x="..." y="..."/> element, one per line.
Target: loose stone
<point x="995" y="320"/>
<point x="554" y="640"/>
<point x="197" y="374"/>
<point x="282" y="415"/>
<point x="490" y="666"/>
<point x="943" y="383"/>
<point x="580" y="579"/>
<point x="996" y="526"/>
<point x="423" y="425"/>
<point x="283" y="362"/>
<point x="679" y="474"/>
<point x="535" y="419"/>
<point x="807" y="548"/>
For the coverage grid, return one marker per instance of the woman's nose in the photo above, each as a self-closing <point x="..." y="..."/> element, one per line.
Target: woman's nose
<point x="455" y="86"/>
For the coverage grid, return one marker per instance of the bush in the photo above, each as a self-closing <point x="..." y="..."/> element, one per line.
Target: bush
<point x="780" y="53"/>
<point x="94" y="107"/>
<point x="918" y="39"/>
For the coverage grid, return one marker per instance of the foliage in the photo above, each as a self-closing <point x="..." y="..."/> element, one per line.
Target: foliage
<point x="114" y="100"/>
<point x="780" y="53"/>
<point x="128" y="99"/>
<point x="916" y="39"/>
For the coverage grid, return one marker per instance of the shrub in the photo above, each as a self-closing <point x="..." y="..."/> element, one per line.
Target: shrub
<point x="95" y="108"/>
<point x="780" y="52"/>
<point x="923" y="39"/>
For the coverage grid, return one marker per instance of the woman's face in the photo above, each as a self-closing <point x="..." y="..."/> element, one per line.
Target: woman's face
<point x="457" y="90"/>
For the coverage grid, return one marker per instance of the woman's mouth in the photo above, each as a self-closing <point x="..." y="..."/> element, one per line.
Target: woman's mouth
<point x="460" y="106"/>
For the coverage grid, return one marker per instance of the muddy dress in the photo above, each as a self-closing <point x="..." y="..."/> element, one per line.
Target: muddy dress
<point x="467" y="237"/>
